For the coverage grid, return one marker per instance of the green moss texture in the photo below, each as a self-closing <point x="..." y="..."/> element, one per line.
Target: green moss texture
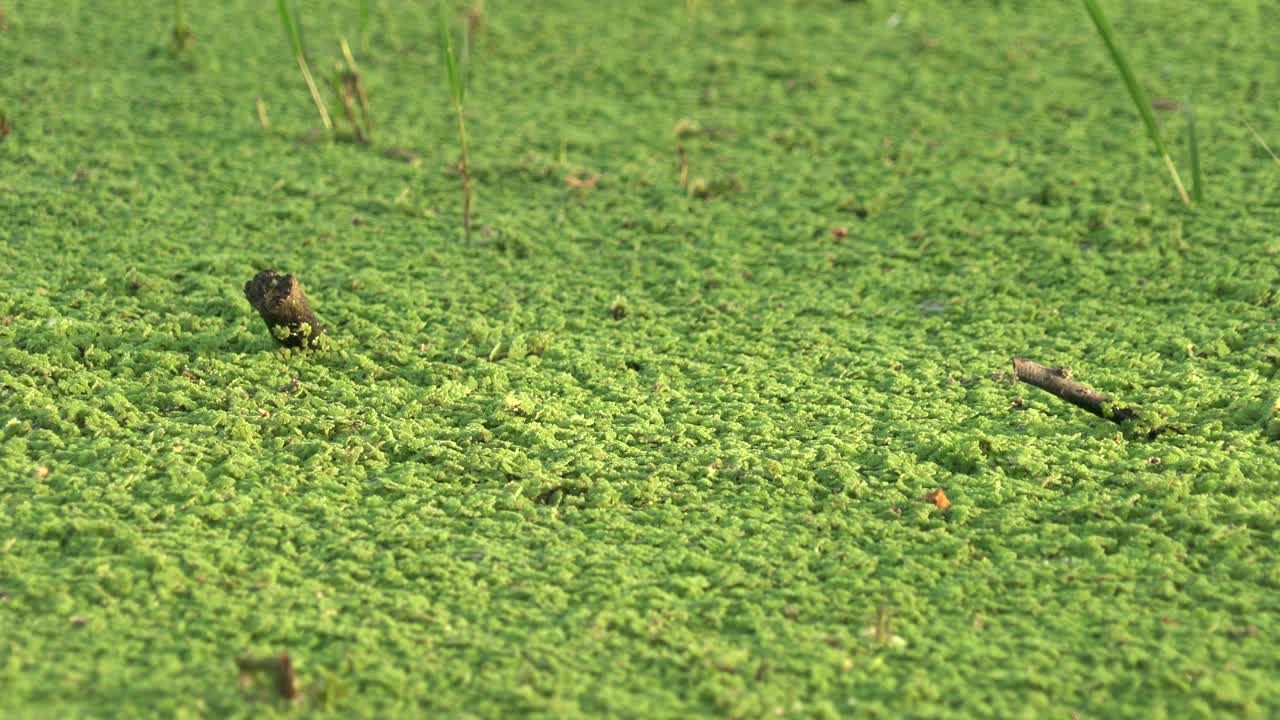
<point x="644" y="448"/>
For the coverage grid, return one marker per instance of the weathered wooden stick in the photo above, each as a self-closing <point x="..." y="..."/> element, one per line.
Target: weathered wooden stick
<point x="281" y="303"/>
<point x="1058" y="382"/>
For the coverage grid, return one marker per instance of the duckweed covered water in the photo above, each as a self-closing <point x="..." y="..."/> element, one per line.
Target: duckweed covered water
<point x="644" y="449"/>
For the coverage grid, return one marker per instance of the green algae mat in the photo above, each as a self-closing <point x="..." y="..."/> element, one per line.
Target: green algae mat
<point x="666" y="438"/>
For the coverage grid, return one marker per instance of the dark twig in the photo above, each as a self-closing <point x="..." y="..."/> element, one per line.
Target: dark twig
<point x="1058" y="382"/>
<point x="280" y="668"/>
<point x="282" y="304"/>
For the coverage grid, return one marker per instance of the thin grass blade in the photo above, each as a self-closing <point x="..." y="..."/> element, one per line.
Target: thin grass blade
<point x="1193" y="141"/>
<point x="290" y="27"/>
<point x="1263" y="143"/>
<point x="450" y="59"/>
<point x="1135" y="89"/>
<point x="293" y="30"/>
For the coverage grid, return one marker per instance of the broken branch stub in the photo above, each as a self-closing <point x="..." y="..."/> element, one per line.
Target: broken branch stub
<point x="283" y="306"/>
<point x="1057" y="381"/>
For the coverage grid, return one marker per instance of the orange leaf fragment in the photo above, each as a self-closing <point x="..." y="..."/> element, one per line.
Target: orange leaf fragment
<point x="938" y="498"/>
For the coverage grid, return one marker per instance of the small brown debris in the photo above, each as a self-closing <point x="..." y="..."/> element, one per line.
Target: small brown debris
<point x="79" y="621"/>
<point x="1153" y="461"/>
<point x="280" y="668"/>
<point x="403" y="155"/>
<point x="839" y="232"/>
<point x="42" y="471"/>
<point x="938" y="498"/>
<point x="1166" y="104"/>
<point x="280" y="301"/>
<point x="589" y="182"/>
<point x="5" y="127"/>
